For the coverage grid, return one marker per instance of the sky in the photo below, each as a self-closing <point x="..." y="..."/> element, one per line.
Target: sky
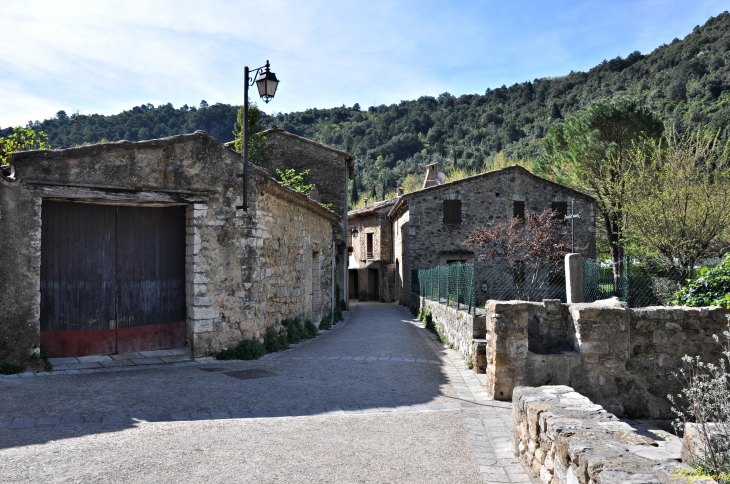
<point x="108" y="56"/>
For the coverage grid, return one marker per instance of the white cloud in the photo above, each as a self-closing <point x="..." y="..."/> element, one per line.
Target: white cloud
<point x="106" y="56"/>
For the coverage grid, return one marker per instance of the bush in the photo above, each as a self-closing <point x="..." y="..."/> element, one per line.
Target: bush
<point x="325" y="323"/>
<point x="414" y="311"/>
<point x="10" y="369"/>
<point x="705" y="400"/>
<point x="274" y="341"/>
<point x="711" y="288"/>
<point x="294" y="330"/>
<point x="248" y="349"/>
<point x="338" y="314"/>
<point x="310" y="328"/>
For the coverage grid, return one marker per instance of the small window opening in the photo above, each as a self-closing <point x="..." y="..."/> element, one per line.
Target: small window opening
<point x="519" y="209"/>
<point x="452" y="212"/>
<point x="561" y="209"/>
<point x="369" y="250"/>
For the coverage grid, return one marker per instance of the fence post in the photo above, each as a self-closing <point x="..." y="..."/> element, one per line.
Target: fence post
<point x="573" y="278"/>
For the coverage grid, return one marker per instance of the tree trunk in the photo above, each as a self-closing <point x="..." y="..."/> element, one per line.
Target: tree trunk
<point x="613" y="232"/>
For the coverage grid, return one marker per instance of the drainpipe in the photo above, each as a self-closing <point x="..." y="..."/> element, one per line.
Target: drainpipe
<point x="334" y="246"/>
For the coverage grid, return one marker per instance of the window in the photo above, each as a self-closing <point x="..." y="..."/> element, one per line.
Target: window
<point x="519" y="209"/>
<point x="452" y="212"/>
<point x="369" y="250"/>
<point x="561" y="208"/>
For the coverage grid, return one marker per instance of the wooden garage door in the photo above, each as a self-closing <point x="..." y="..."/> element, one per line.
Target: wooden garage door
<point x="112" y="278"/>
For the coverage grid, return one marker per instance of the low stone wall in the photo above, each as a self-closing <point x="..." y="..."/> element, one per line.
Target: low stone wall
<point x="565" y="438"/>
<point x="459" y="327"/>
<point x="624" y="359"/>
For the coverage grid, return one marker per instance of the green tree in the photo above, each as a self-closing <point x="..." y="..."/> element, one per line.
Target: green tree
<point x="681" y="196"/>
<point x="593" y="149"/>
<point x="22" y="139"/>
<point x="295" y="180"/>
<point x="256" y="139"/>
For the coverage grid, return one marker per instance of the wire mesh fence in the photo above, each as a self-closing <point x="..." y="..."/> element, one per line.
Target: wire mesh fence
<point x="640" y="282"/>
<point x="517" y="280"/>
<point x="452" y="284"/>
<point x="467" y="285"/>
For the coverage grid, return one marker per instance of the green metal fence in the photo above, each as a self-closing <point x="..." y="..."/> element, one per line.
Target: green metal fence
<point x="451" y="284"/>
<point x="640" y="282"/>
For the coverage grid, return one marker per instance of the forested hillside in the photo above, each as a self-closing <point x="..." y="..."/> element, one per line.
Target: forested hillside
<point x="687" y="81"/>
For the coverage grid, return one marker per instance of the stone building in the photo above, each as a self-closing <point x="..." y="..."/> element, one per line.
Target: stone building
<point x="431" y="224"/>
<point x="370" y="239"/>
<point x="329" y="169"/>
<point x="127" y="246"/>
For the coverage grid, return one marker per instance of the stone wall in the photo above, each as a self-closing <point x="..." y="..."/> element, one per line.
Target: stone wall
<point x="623" y="359"/>
<point x="484" y="198"/>
<point x="459" y="327"/>
<point x="20" y="269"/>
<point x="565" y="438"/>
<point x="245" y="271"/>
<point x="329" y="169"/>
<point x="372" y="220"/>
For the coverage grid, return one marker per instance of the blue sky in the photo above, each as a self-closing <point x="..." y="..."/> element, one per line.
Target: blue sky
<point x="107" y="56"/>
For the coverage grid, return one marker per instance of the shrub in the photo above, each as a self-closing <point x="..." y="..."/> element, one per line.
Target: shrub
<point x="274" y="341"/>
<point x="325" y="323"/>
<point x="705" y="400"/>
<point x="414" y="311"/>
<point x="10" y="369"/>
<point x="711" y="288"/>
<point x="294" y="330"/>
<point x="248" y="349"/>
<point x="310" y="328"/>
<point x="338" y="314"/>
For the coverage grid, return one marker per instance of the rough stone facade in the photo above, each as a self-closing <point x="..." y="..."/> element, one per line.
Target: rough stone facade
<point x="329" y="169"/>
<point x="623" y="359"/>
<point x="371" y="223"/>
<point x="425" y="241"/>
<point x="565" y="438"/>
<point x="465" y="332"/>
<point x="245" y="271"/>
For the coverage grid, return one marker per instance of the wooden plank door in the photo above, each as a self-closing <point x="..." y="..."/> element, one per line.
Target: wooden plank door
<point x="151" y="278"/>
<point x="78" y="278"/>
<point x="112" y="278"/>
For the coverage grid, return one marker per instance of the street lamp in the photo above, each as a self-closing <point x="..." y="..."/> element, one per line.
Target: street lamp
<point x="266" y="82"/>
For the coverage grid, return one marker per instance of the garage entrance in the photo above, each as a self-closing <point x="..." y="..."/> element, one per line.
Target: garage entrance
<point x="112" y="278"/>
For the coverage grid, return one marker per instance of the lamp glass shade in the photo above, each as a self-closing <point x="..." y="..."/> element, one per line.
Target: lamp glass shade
<point x="267" y="83"/>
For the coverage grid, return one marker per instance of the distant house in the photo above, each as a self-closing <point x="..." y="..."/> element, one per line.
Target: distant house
<point x="122" y="247"/>
<point x="370" y="240"/>
<point x="330" y="170"/>
<point x="431" y="224"/>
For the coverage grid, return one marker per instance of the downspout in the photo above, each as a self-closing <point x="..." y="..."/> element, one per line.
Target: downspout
<point x="346" y="255"/>
<point x="334" y="248"/>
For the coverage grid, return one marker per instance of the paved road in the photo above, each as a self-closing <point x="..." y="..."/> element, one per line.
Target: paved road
<point x="378" y="399"/>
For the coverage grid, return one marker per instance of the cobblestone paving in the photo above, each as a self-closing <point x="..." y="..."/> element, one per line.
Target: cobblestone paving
<point x="399" y="390"/>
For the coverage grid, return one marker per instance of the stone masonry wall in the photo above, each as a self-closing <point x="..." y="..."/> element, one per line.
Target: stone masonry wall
<point x="244" y="271"/>
<point x="565" y="438"/>
<point x="623" y="359"/>
<point x="20" y="268"/>
<point x="484" y="198"/>
<point x="459" y="327"/>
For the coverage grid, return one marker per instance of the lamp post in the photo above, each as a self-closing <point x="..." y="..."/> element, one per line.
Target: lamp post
<point x="266" y="82"/>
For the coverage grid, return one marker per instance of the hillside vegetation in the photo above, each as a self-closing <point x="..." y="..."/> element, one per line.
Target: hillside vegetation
<point x="686" y="81"/>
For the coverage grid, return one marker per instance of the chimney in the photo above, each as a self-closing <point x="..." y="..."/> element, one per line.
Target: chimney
<point x="431" y="174"/>
<point x="314" y="194"/>
<point x="399" y="192"/>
